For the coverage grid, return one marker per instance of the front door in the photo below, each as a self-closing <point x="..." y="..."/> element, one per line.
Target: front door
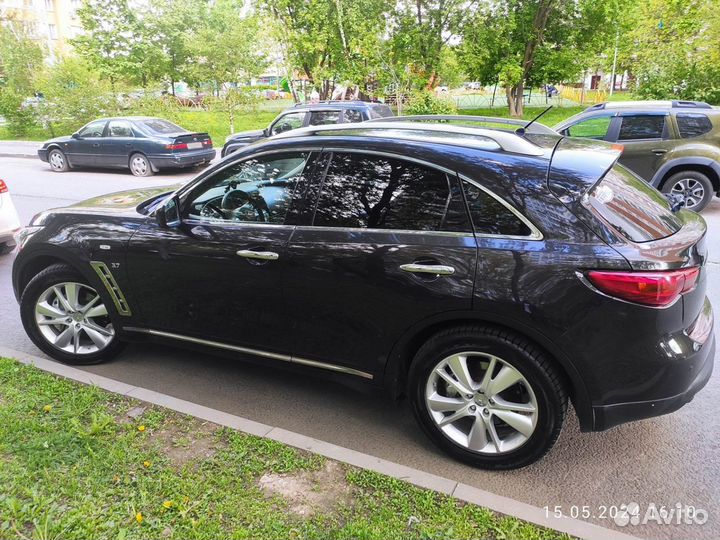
<point x="645" y="138"/>
<point x="218" y="276"/>
<point x="389" y="246"/>
<point x="86" y="149"/>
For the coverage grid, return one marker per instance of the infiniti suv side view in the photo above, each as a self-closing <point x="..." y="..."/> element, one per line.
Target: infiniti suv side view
<point x="489" y="276"/>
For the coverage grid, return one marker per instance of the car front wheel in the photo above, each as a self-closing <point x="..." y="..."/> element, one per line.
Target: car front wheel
<point x="66" y="317"/>
<point x="58" y="161"/>
<point x="487" y="397"/>
<point x="695" y="189"/>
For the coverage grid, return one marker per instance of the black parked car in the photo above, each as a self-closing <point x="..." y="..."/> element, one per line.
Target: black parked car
<point x="489" y="276"/>
<point x="309" y="114"/>
<point x="144" y="145"/>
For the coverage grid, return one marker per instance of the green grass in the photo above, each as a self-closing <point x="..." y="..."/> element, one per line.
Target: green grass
<point x="552" y="117"/>
<point x="73" y="464"/>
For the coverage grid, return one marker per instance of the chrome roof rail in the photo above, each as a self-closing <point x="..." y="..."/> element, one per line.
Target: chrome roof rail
<point x="471" y="137"/>
<point x="534" y="128"/>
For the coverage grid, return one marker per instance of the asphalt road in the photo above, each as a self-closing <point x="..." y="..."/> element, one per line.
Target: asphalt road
<point x="665" y="461"/>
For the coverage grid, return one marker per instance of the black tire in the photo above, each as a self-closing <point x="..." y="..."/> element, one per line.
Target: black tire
<point x="52" y="275"/>
<point x="140" y="165"/>
<point x="688" y="182"/>
<point x="58" y="160"/>
<point x="547" y="383"/>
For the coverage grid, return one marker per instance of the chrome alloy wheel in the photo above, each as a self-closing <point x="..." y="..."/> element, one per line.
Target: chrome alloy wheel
<point x="72" y="317"/>
<point x="692" y="191"/>
<point x="481" y="403"/>
<point x="139" y="165"/>
<point x="57" y="160"/>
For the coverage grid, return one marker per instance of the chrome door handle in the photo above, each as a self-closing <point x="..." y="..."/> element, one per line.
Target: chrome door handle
<point x="262" y="255"/>
<point x="659" y="151"/>
<point x="437" y="269"/>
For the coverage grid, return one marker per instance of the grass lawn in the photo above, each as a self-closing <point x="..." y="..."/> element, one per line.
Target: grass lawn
<point x="550" y="118"/>
<point x="79" y="462"/>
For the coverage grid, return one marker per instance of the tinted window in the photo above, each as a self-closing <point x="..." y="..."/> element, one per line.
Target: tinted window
<point x="119" y="128"/>
<point x="254" y="191"/>
<point x="321" y="118"/>
<point x="288" y="122"/>
<point x="376" y="192"/>
<point x="641" y="127"/>
<point x="636" y="210"/>
<point x="353" y="116"/>
<point x="93" y="129"/>
<point x="592" y="128"/>
<point x="693" y="125"/>
<point x="490" y="216"/>
<point x="158" y="125"/>
<point x="380" y="111"/>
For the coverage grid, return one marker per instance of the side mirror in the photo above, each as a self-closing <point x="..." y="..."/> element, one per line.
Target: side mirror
<point x="266" y="132"/>
<point x="76" y="136"/>
<point x="168" y="214"/>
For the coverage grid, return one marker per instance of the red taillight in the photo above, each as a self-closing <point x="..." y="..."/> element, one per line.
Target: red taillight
<point x="649" y="288"/>
<point x="3" y="186"/>
<point x="208" y="142"/>
<point x="178" y="146"/>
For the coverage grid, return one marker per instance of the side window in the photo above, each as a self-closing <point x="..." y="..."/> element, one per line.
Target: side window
<point x="321" y="118"/>
<point x="119" y="128"/>
<point x="353" y="116"/>
<point x="693" y="125"/>
<point x="592" y="128"/>
<point x="288" y="122"/>
<point x="642" y="126"/>
<point x="490" y="216"/>
<point x="258" y="190"/>
<point x="374" y="192"/>
<point x="93" y="129"/>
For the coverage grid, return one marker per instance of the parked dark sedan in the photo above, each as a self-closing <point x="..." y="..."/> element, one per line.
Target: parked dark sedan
<point x="490" y="276"/>
<point x="142" y="144"/>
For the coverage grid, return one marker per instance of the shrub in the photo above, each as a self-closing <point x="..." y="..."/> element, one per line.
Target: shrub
<point x="428" y="103"/>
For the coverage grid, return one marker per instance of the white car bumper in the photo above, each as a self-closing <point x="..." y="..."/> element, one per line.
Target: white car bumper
<point x="9" y="220"/>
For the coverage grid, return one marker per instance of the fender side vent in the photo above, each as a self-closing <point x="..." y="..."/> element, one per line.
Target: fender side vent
<point x="112" y="287"/>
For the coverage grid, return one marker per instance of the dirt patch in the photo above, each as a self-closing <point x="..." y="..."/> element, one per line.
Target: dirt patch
<point x="309" y="492"/>
<point x="184" y="443"/>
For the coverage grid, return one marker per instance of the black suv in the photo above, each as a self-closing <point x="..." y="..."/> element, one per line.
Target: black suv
<point x="309" y="114"/>
<point x="488" y="275"/>
<point x="674" y="145"/>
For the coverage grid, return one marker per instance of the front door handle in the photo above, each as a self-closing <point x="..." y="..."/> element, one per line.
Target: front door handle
<point x="659" y="151"/>
<point x="261" y="255"/>
<point x="435" y="269"/>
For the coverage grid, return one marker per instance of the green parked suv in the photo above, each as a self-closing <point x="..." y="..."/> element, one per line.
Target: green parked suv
<point x="674" y="145"/>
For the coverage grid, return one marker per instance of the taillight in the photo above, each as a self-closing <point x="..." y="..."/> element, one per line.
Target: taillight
<point x="178" y="146"/>
<point x="656" y="289"/>
<point x="3" y="186"/>
<point x="208" y="142"/>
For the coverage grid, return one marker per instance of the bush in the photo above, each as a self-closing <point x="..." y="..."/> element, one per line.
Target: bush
<point x="429" y="103"/>
<point x="20" y="119"/>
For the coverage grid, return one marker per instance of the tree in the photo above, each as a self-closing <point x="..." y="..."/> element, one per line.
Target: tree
<point x="524" y="42"/>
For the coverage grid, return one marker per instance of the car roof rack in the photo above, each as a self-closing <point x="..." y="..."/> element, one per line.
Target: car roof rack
<point x="534" y="128"/>
<point x="471" y="137"/>
<point x="667" y="104"/>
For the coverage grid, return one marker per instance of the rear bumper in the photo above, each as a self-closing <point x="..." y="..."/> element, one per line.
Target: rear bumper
<point x="186" y="159"/>
<point x="607" y="416"/>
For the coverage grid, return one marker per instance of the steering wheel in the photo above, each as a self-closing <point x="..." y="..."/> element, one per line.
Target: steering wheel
<point x="235" y="200"/>
<point x="209" y="209"/>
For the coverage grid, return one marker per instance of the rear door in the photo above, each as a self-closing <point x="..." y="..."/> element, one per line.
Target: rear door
<point x="389" y="245"/>
<point x="117" y="143"/>
<point x="645" y="138"/>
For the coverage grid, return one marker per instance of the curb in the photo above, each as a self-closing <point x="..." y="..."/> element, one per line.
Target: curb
<point x="19" y="155"/>
<point x="463" y="492"/>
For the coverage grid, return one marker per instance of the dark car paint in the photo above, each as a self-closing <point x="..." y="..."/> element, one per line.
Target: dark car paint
<point x="115" y="152"/>
<point x="655" y="160"/>
<point x="336" y="297"/>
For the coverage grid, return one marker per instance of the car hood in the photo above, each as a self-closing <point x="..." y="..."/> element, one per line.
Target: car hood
<point x="64" y="138"/>
<point x="254" y="135"/>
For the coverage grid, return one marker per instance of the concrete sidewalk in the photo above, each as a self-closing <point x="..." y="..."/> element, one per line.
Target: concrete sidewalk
<point x="25" y="149"/>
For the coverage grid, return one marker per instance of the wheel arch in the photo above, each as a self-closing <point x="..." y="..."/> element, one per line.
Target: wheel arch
<point x="403" y="353"/>
<point x="708" y="167"/>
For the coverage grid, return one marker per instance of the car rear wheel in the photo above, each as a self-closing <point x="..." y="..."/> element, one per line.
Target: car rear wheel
<point x="694" y="187"/>
<point x="487" y="397"/>
<point x="57" y="160"/>
<point x="140" y="165"/>
<point x="66" y="317"/>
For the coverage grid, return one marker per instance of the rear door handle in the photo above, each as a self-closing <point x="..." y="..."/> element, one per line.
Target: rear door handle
<point x="96" y="145"/>
<point x="659" y="151"/>
<point x="436" y="269"/>
<point x="261" y="255"/>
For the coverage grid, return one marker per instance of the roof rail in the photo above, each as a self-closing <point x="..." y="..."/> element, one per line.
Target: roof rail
<point x="534" y="128"/>
<point x="690" y="104"/>
<point x="473" y="137"/>
<point x="661" y="104"/>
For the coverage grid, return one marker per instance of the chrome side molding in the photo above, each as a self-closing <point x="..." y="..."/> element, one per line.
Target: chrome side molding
<point x="255" y="352"/>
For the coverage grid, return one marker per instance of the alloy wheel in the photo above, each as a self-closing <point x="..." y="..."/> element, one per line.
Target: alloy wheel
<point x="57" y="161"/>
<point x="691" y="190"/>
<point x="481" y="403"/>
<point x="72" y="317"/>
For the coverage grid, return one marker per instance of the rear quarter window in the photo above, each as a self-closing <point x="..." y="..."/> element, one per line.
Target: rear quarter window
<point x="636" y="210"/>
<point x="693" y="125"/>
